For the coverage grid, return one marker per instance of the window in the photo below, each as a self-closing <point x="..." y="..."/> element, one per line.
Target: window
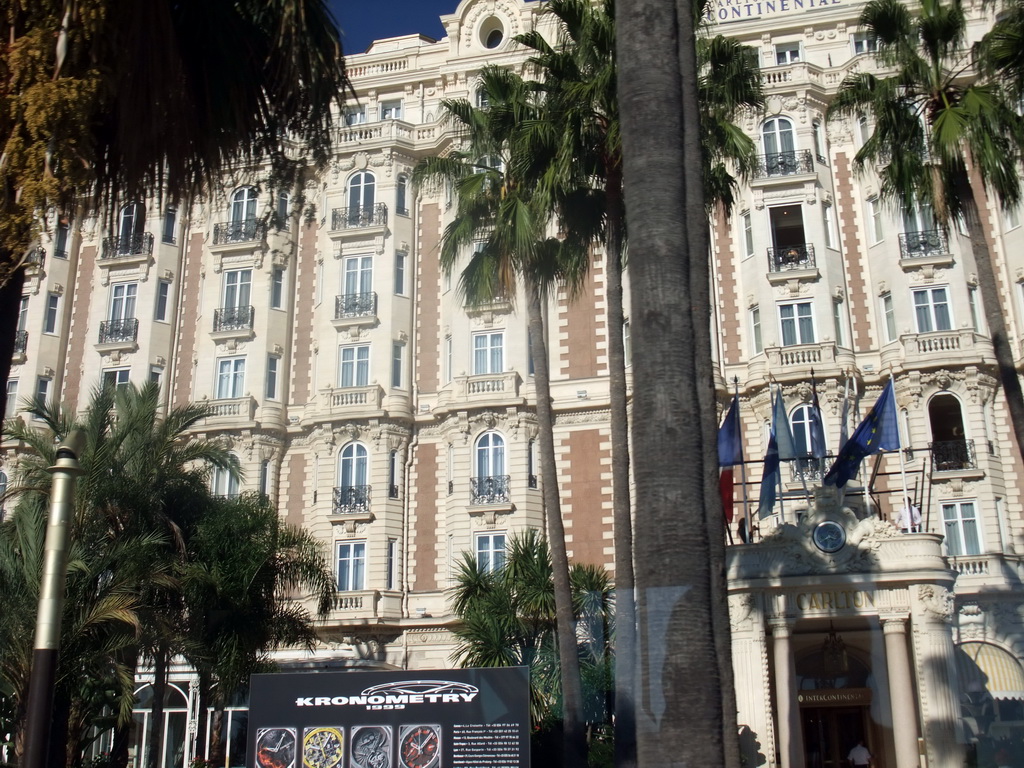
<point x="130" y="228"/>
<point x="170" y="222"/>
<point x="60" y="240"/>
<point x="277" y="288"/>
<point x="400" y="259"/>
<point x="829" y="224"/>
<point x="483" y="101"/>
<point x="358" y="277"/>
<point x="122" y="301"/>
<point x="163" y="297"/>
<point x="787" y="53"/>
<point x="875" y="219"/>
<point x="230" y="377"/>
<point x="394" y="475"/>
<point x="23" y="314"/>
<point x="362" y="189"/>
<point x="224" y="483"/>
<point x="919" y="219"/>
<point x="488" y="352"/>
<point x="531" y="464"/>
<point x="755" y="330"/>
<point x="837" y="321"/>
<point x="397" y="353"/>
<point x="490" y="455"/>
<point x="352" y="494"/>
<point x="391" y="577"/>
<point x="156" y="375"/>
<point x="817" y="137"/>
<point x="1011" y="218"/>
<point x="3" y="490"/>
<point x="12" y="398"/>
<point x="797" y="322"/>
<point x="116" y="377"/>
<point x="972" y="301"/>
<point x="889" y="313"/>
<point x="448" y="359"/>
<point x="863" y="129"/>
<point x="490" y="552"/>
<point x="748" y="234"/>
<point x="43" y="390"/>
<point x="243" y="205"/>
<point x="354" y="366"/>
<point x="237" y="288"/>
<point x="401" y="206"/>
<point x="931" y="309"/>
<point x="50" y="318"/>
<point x="864" y="43"/>
<point x="627" y="341"/>
<point x="777" y="137"/>
<point x="355" y="115"/>
<point x="264" y="487"/>
<point x="391" y="110"/>
<point x="273" y="364"/>
<point x="962" y="534"/>
<point x="351" y="565"/>
<point x="283" y="209"/>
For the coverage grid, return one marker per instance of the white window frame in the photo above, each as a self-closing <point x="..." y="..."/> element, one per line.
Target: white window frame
<point x="43" y="386"/>
<point x="170" y="226"/>
<point x="354" y="365"/>
<point x="224" y="483"/>
<point x="277" y="288"/>
<point x="163" y="301"/>
<point x="756" y="338"/>
<point x="959" y="541"/>
<point x="237" y="289"/>
<point x="838" y="322"/>
<point x="488" y="353"/>
<point x="397" y="364"/>
<point x="747" y="226"/>
<point x="351" y="578"/>
<point x="273" y="377"/>
<point x="51" y="317"/>
<point x="448" y="359"/>
<point x="931" y="315"/>
<point x="828" y="221"/>
<point x="491" y="551"/>
<point x="1011" y="218"/>
<point x="489" y="459"/>
<point x="355" y="115"/>
<point x="401" y="260"/>
<point x="801" y="311"/>
<point x="23" y="314"/>
<point x="391" y="109"/>
<point x="888" y="317"/>
<point x="117" y="377"/>
<point x="124" y="299"/>
<point x="230" y="378"/>
<point x="244" y="201"/>
<point x="875" y="226"/>
<point x="12" y="398"/>
<point x="862" y="43"/>
<point x="391" y="575"/>
<point x="791" y="51"/>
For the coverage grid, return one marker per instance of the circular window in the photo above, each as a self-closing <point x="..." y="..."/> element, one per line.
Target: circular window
<point x="492" y="32"/>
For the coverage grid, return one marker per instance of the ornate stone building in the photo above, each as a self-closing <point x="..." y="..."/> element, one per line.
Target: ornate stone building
<point x="379" y="412"/>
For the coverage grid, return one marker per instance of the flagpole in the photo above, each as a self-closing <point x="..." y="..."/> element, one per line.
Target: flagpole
<point x="844" y="427"/>
<point x="743" y="467"/>
<point x="903" y="466"/>
<point x="782" y="492"/>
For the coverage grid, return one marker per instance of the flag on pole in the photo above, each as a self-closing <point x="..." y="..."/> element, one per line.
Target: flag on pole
<point x="844" y="419"/>
<point x="780" y="434"/>
<point x="730" y="453"/>
<point x="818" y="449"/>
<point x="878" y="432"/>
<point x="783" y="432"/>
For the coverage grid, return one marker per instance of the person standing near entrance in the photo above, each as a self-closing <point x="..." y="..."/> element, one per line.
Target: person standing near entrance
<point x="859" y="756"/>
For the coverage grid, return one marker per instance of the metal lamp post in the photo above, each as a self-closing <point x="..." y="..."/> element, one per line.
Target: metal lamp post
<point x="39" y="713"/>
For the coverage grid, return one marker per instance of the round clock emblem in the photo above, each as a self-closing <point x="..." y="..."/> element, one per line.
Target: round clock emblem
<point x="420" y="747"/>
<point x="829" y="536"/>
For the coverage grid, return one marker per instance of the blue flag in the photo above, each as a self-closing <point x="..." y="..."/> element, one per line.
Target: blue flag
<point x="730" y="441"/>
<point x="818" y="448"/>
<point x="769" y="478"/>
<point x="878" y="432"/>
<point x="781" y="429"/>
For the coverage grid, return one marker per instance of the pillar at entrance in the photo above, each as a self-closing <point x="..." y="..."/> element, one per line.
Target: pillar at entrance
<point x="901" y="693"/>
<point x="790" y="747"/>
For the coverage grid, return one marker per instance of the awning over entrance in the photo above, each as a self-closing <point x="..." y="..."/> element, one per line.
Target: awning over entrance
<point x="983" y="666"/>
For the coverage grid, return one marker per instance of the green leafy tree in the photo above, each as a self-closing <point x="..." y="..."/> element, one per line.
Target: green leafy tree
<point x="941" y="139"/>
<point x="502" y="220"/>
<point x="91" y="88"/>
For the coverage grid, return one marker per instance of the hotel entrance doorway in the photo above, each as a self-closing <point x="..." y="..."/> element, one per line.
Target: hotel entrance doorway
<point x="831" y="732"/>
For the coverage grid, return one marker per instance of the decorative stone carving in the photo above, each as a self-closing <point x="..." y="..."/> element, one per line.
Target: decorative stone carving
<point x="937" y="601"/>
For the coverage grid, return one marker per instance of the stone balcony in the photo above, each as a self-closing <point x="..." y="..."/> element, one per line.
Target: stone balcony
<point x="939" y="349"/>
<point x="486" y="390"/>
<point x="991" y="572"/>
<point x="235" y="412"/>
<point x="349" y="403"/>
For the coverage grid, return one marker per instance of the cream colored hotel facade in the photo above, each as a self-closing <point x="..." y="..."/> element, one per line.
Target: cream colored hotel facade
<point x="398" y="426"/>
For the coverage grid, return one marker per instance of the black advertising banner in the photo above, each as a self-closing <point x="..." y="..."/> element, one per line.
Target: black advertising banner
<point x="451" y="718"/>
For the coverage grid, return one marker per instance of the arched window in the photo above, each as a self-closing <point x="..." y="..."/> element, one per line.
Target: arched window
<point x="802" y="421"/>
<point x="777" y="134"/>
<point x="175" y="725"/>
<point x="243" y="205"/>
<point x="283" y="209"/>
<point x="361" y="197"/>
<point x="131" y="224"/>
<point x="483" y="100"/>
<point x="401" y="205"/>
<point x="951" y="450"/>
<point x="224" y="483"/>
<point x="352" y="493"/>
<point x="491" y="484"/>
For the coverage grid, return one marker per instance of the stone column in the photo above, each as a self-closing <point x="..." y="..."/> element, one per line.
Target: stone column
<point x="790" y="748"/>
<point x="901" y="693"/>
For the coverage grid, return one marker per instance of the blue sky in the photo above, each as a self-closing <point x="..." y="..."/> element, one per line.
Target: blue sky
<point x="363" y="21"/>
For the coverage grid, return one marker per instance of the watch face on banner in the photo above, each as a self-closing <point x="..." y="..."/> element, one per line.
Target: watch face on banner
<point x="275" y="748"/>
<point x="419" y="746"/>
<point x="829" y="536"/>
<point x="323" y="747"/>
<point x="371" y="747"/>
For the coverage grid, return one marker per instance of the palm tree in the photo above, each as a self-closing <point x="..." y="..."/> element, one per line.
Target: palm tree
<point x="95" y="86"/>
<point x="937" y="129"/>
<point x="1001" y="51"/>
<point x="244" y="565"/>
<point x="508" y="619"/>
<point x="673" y="423"/>
<point x="502" y="219"/>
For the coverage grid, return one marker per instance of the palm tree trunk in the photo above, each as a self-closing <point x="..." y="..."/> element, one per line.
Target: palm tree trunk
<point x="622" y="517"/>
<point x="156" y="738"/>
<point x="679" y="717"/>
<point x="574" y="734"/>
<point x="993" y="304"/>
<point x="10" y="307"/>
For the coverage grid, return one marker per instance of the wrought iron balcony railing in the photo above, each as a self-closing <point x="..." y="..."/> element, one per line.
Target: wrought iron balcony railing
<point x="141" y="243"/>
<point x="359" y="216"/>
<point x="490" y="490"/>
<point x="244" y="231"/>
<point x="20" y="342"/>
<point x="920" y="245"/>
<point x="351" y="499"/>
<point x="123" y="330"/>
<point x="785" y="164"/>
<point x="234" y="318"/>
<point x="809" y="468"/>
<point x="953" y="455"/>
<point x="791" y="257"/>
<point x="36" y="257"/>
<point x="355" y="305"/>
